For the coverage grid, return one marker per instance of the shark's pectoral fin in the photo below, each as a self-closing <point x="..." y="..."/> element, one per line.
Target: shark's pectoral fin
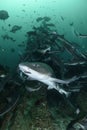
<point x="60" y="90"/>
<point x="50" y="87"/>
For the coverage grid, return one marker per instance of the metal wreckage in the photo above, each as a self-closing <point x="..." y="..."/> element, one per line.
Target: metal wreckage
<point x="45" y="45"/>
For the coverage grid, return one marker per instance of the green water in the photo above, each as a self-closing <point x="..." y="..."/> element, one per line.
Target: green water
<point x="25" y="12"/>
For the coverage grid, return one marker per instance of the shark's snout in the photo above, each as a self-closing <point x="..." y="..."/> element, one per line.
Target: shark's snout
<point x="20" y="67"/>
<point x="24" y="69"/>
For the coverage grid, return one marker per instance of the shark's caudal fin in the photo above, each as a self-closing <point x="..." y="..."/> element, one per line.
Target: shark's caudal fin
<point x="65" y="81"/>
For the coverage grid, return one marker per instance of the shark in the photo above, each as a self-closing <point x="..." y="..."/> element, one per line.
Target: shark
<point x="42" y="72"/>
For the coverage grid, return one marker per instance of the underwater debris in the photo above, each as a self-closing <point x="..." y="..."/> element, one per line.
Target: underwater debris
<point x="44" y="37"/>
<point x="4" y="15"/>
<point x="12" y="103"/>
<point x="71" y="48"/>
<point x="7" y="37"/>
<point x="9" y="96"/>
<point x="46" y="45"/>
<point x="15" y="28"/>
<point x="39" y="37"/>
<point x="78" y="124"/>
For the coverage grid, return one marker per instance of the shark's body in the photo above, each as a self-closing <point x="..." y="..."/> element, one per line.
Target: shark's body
<point x="43" y="73"/>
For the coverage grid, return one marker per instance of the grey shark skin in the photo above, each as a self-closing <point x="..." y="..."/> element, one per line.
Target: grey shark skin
<point x="43" y="73"/>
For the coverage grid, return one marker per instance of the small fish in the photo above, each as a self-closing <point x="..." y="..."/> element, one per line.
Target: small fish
<point x="76" y="63"/>
<point x="7" y="37"/>
<point x="62" y="18"/>
<point x="4" y="15"/>
<point x="44" y="51"/>
<point x="39" y="19"/>
<point x="82" y="35"/>
<point x="32" y="33"/>
<point x="71" y="24"/>
<point x="2" y="75"/>
<point x="43" y="73"/>
<point x="15" y="28"/>
<point x="46" y="19"/>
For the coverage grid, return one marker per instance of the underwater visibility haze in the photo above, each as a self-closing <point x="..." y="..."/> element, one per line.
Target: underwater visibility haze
<point x="67" y="16"/>
<point x="43" y="64"/>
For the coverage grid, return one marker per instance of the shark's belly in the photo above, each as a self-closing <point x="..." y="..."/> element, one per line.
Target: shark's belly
<point x="48" y="82"/>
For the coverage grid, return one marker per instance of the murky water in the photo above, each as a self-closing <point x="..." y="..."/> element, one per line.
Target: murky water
<point x="24" y="13"/>
<point x="53" y="32"/>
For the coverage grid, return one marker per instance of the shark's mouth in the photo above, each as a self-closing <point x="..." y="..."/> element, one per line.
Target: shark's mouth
<point x="24" y="72"/>
<point x="23" y="75"/>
